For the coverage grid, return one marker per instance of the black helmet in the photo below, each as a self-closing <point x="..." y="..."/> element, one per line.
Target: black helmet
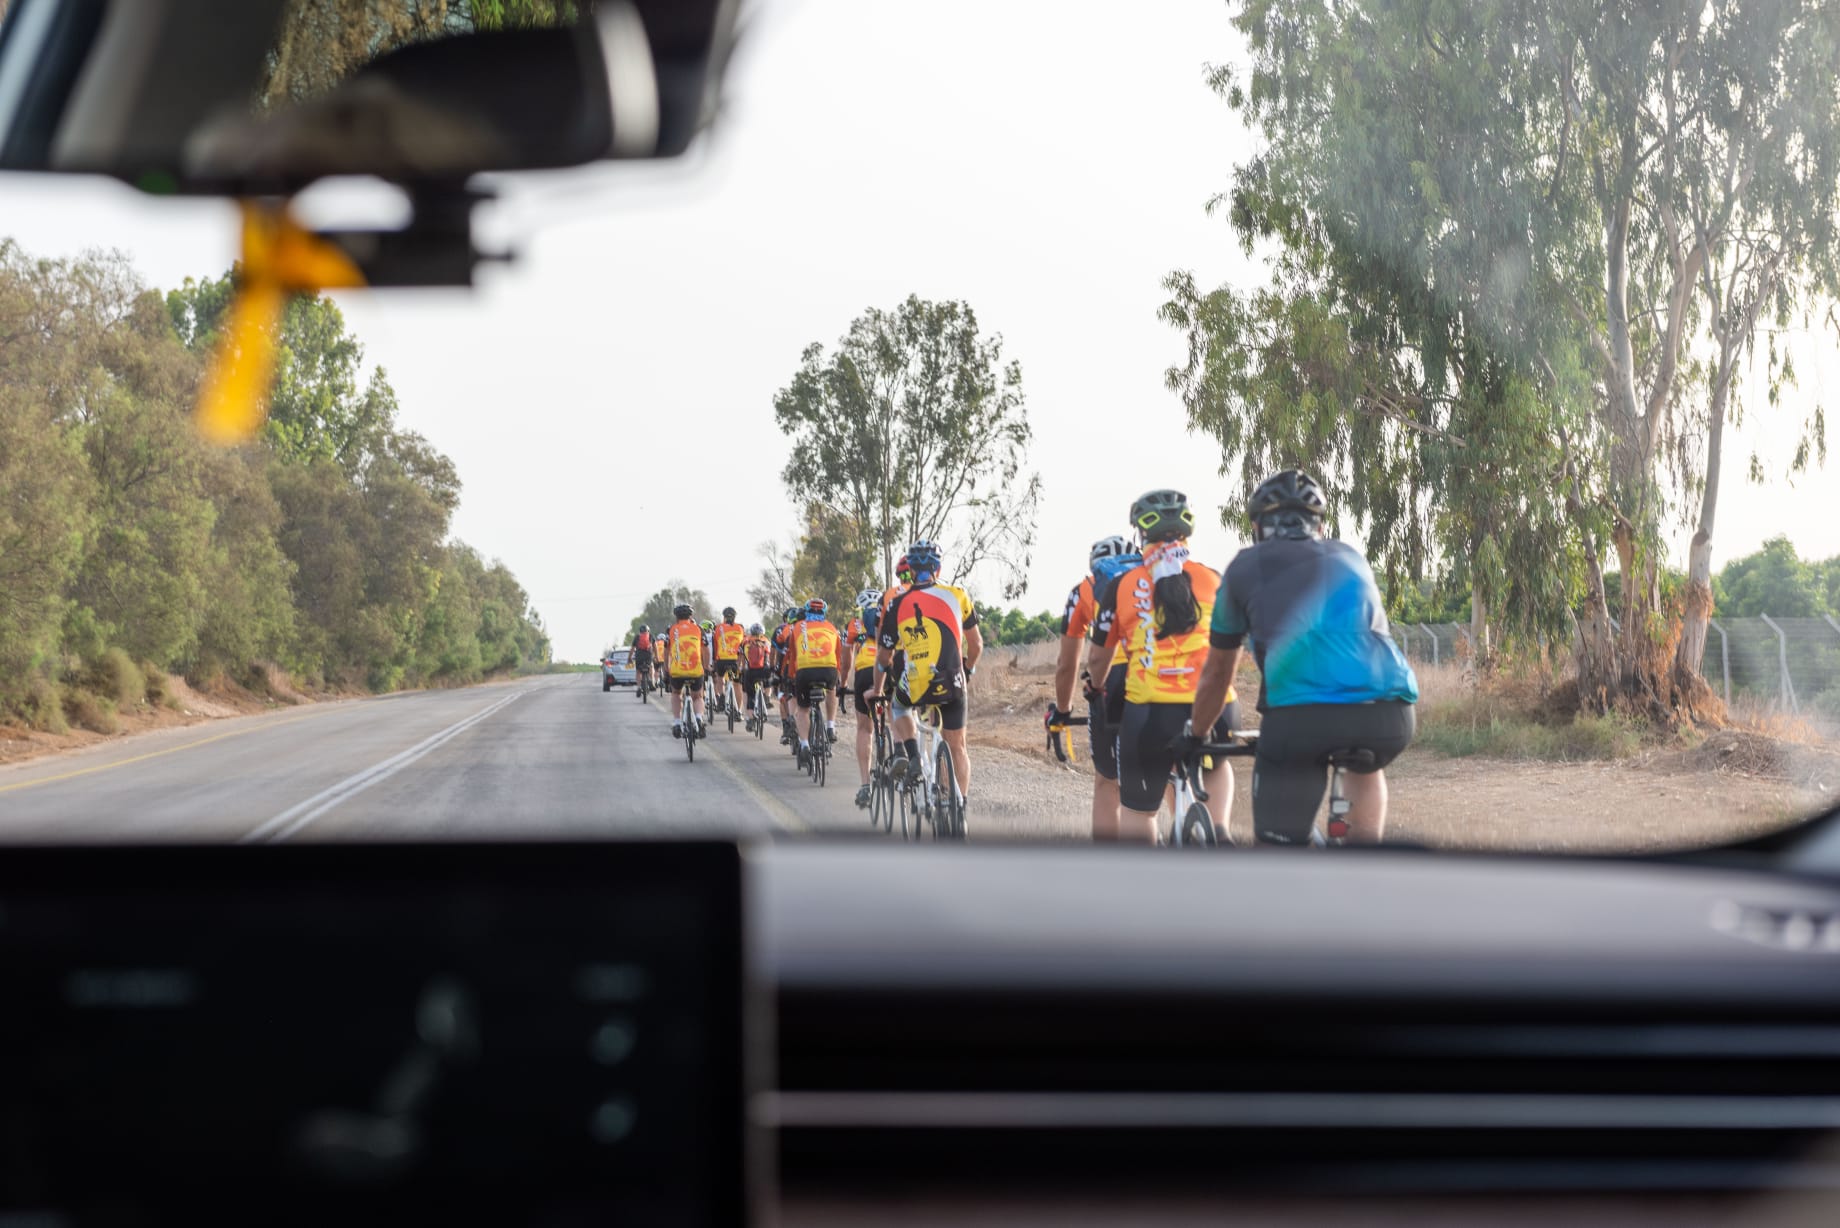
<point x="682" y="611"/>
<point x="728" y="613"/>
<point x="1162" y="515"/>
<point x="793" y="614"/>
<point x="1288" y="503"/>
<point x="644" y="628"/>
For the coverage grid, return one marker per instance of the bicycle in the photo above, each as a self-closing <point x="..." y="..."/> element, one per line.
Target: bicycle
<point x="758" y="705"/>
<point x="932" y="795"/>
<point x="816" y="763"/>
<point x="693" y="728"/>
<point x="730" y="707"/>
<point x="1059" y="741"/>
<point x="881" y="785"/>
<point x="644" y="686"/>
<point x="1194" y="824"/>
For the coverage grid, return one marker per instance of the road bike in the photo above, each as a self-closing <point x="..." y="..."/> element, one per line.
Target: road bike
<point x="758" y="709"/>
<point x="1194" y="824"/>
<point x="729" y="704"/>
<point x="817" y="760"/>
<point x="644" y="686"/>
<point x="881" y="784"/>
<point x="693" y="728"/>
<point x="929" y="795"/>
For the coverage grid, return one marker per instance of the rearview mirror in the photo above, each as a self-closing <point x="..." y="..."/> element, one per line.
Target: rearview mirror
<point x="245" y="97"/>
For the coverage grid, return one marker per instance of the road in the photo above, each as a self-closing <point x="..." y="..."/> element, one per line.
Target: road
<point x="549" y="757"/>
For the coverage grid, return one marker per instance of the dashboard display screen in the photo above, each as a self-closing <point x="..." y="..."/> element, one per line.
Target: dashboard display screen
<point x="544" y="1034"/>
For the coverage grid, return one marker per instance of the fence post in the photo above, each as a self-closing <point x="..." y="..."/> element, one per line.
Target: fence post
<point x="1782" y="659"/>
<point x="1725" y="656"/>
<point x="1434" y="643"/>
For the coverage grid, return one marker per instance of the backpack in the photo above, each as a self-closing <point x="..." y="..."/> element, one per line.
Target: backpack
<point x="756" y="654"/>
<point x="1109" y="569"/>
<point x="687" y="653"/>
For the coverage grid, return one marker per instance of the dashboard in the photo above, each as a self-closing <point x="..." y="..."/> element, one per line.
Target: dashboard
<point x="816" y="1033"/>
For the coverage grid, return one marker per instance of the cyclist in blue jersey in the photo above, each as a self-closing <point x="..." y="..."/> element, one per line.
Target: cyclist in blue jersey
<point x="1334" y="680"/>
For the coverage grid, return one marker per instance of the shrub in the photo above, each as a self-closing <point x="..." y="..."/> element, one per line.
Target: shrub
<point x="90" y="711"/>
<point x="114" y="676"/>
<point x="1509" y="719"/>
<point x="41" y="707"/>
<point x="159" y="687"/>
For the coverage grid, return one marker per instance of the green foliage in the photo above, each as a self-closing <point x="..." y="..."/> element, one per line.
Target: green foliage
<point x="1012" y="626"/>
<point x="1773" y="581"/>
<point x="913" y="427"/>
<point x="322" y="549"/>
<point x="657" y="611"/>
<point x="1498" y="735"/>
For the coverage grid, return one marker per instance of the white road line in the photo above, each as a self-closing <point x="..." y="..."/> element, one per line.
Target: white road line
<point x="295" y="818"/>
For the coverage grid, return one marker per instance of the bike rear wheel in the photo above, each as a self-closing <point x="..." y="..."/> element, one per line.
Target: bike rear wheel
<point x="728" y="701"/>
<point x="1194" y="828"/>
<point x="690" y="736"/>
<point x="948" y="810"/>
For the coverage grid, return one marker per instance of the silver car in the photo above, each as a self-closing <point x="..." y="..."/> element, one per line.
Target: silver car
<point x="617" y="669"/>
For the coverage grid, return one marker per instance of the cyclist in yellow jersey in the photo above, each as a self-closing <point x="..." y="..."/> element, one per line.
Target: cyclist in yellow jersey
<point x="726" y="643"/>
<point x="867" y="684"/>
<point x="933" y="627"/>
<point x="815" y="649"/>
<point x="683" y="665"/>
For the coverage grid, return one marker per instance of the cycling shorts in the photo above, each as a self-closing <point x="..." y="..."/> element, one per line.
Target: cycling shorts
<point x="642" y="656"/>
<point x="731" y="666"/>
<point x="814" y="676"/>
<point x="1145" y="759"/>
<point x="1291" y="771"/>
<point x="1114" y="695"/>
<point x="951" y="708"/>
<point x="861" y="689"/>
<point x="751" y="677"/>
<point x="692" y="684"/>
<point x="1103" y="739"/>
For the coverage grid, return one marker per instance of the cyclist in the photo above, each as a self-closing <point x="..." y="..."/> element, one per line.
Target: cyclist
<point x="756" y="667"/>
<point x="1110" y="557"/>
<point x="934" y="628"/>
<point x="727" y="638"/>
<point x="642" y="654"/>
<point x="816" y="652"/>
<point x="782" y="670"/>
<point x="1334" y="679"/>
<point x="683" y="658"/>
<point x="862" y="640"/>
<point x="1157" y="614"/>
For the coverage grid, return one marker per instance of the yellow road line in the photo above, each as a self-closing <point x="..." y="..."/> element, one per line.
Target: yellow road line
<point x="155" y="754"/>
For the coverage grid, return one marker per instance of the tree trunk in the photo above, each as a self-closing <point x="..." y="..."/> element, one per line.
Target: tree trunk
<point x="1599" y="679"/>
<point x="1479" y="646"/>
<point x="1697" y="614"/>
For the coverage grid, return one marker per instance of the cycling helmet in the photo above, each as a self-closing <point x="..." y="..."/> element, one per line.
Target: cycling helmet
<point x="1162" y="515"/>
<point x="728" y="613"/>
<point x="709" y="624"/>
<point x="924" y="558"/>
<point x="903" y="570"/>
<point x="756" y="629"/>
<point x="868" y="599"/>
<point x="643" y="629"/>
<point x="1108" y="548"/>
<point x="793" y="613"/>
<point x="681" y="612"/>
<point x="1287" y="504"/>
<point x="815" y="609"/>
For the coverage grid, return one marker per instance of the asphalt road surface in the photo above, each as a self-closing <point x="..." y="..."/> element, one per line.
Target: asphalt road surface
<point x="549" y="757"/>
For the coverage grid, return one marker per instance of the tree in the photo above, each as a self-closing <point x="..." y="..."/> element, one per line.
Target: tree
<point x="657" y="612"/>
<point x="1511" y="207"/>
<point x="913" y="427"/>
<point x="1772" y="581"/>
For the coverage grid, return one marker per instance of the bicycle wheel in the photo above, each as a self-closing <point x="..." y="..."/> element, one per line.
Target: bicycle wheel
<point x="760" y="717"/>
<point x="906" y="802"/>
<point x="948" y="810"/>
<point x="1195" y="829"/>
<point x="728" y="702"/>
<point x="690" y="736"/>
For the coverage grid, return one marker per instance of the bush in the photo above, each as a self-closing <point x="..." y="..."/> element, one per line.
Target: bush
<point x="90" y="711"/>
<point x="159" y="688"/>
<point x="1510" y="718"/>
<point x="114" y="676"/>
<point x="41" y="707"/>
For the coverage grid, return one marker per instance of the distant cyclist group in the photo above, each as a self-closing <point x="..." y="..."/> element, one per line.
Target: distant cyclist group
<point x="1153" y="638"/>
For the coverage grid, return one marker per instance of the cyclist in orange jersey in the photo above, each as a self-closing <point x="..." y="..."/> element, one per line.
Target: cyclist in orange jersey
<point x="1157" y="615"/>
<point x="1109" y="557"/>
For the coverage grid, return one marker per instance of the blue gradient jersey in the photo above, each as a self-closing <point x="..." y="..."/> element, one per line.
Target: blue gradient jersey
<point x="1318" y="630"/>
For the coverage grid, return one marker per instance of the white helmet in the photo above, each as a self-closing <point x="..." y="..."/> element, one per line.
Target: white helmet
<point x="757" y="629"/>
<point x="1108" y="548"/>
<point x="868" y="599"/>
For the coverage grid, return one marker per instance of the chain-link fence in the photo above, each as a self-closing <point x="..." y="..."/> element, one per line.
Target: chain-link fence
<point x="1791" y="663"/>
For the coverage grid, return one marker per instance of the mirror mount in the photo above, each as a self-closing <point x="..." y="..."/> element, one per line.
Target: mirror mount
<point x="436" y="248"/>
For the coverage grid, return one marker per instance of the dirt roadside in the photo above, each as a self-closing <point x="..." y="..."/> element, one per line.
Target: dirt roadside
<point x="1732" y="786"/>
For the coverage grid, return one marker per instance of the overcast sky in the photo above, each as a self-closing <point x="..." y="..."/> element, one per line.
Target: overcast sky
<point x="1046" y="163"/>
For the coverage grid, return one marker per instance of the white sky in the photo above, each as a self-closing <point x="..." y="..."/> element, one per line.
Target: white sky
<point x="1046" y="163"/>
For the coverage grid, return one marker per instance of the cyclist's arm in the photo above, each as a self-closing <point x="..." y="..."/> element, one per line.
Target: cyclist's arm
<point x="1212" y="687"/>
<point x="974" y="647"/>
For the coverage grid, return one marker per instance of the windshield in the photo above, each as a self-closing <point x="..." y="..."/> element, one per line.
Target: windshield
<point x="1416" y="408"/>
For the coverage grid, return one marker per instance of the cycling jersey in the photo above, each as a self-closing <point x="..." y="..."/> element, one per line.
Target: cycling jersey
<point x="1318" y="629"/>
<point x="1159" y="668"/>
<point x="643" y="642"/>
<point x="928" y="626"/>
<point x="684" y="650"/>
<point x="779" y="645"/>
<point x="1082" y="606"/>
<point x="757" y="651"/>
<point x="815" y="645"/>
<point x="728" y="640"/>
<point x="864" y="640"/>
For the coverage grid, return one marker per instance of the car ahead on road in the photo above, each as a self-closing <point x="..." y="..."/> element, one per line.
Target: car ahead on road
<point x="617" y="669"/>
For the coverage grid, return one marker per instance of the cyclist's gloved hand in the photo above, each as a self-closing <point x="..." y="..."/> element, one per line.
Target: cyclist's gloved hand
<point x="1054" y="719"/>
<point x="1187" y="742"/>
